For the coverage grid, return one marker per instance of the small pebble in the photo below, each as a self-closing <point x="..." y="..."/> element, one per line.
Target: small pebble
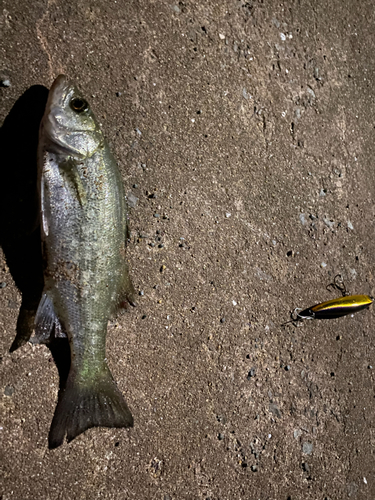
<point x="144" y="316"/>
<point x="118" y="94"/>
<point x="254" y="468"/>
<point x="328" y="222"/>
<point x="135" y="186"/>
<point x="222" y="320"/>
<point x="132" y="200"/>
<point x="141" y="293"/>
<point x="245" y="94"/>
<point x="302" y="219"/>
<point x="306" y="467"/>
<point x="251" y="373"/>
<point x="3" y="284"/>
<point x="311" y="92"/>
<point x="157" y="216"/>
<point x="275" y="410"/>
<point x="9" y="390"/>
<point x="161" y="245"/>
<point x="297" y="433"/>
<point x="220" y="437"/>
<point x="5" y="82"/>
<point x="307" y="448"/>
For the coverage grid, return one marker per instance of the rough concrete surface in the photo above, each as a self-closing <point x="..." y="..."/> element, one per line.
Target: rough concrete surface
<point x="244" y="132"/>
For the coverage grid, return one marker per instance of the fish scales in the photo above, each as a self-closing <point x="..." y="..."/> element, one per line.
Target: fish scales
<point x="84" y="228"/>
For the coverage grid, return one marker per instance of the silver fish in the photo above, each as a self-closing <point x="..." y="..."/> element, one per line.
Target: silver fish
<point x="84" y="234"/>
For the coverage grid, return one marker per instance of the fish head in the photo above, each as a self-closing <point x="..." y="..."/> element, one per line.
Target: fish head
<point x="69" y="125"/>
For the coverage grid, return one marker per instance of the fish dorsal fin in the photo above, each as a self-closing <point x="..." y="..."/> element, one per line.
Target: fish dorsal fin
<point x="126" y="294"/>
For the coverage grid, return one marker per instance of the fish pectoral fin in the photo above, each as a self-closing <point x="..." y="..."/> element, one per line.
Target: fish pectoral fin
<point x="45" y="320"/>
<point x="73" y="180"/>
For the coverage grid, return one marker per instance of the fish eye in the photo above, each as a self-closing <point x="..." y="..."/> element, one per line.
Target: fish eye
<point x="79" y="105"/>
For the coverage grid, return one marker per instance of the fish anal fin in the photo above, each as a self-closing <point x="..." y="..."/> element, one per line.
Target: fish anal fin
<point x="46" y="321"/>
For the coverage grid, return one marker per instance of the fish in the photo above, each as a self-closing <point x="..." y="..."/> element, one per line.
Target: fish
<point x="336" y="308"/>
<point x="84" y="234"/>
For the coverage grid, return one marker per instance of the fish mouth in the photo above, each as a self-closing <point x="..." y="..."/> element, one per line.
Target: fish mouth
<point x="60" y="90"/>
<point x="51" y="125"/>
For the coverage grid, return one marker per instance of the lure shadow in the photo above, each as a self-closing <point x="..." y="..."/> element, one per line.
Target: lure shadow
<point x="19" y="215"/>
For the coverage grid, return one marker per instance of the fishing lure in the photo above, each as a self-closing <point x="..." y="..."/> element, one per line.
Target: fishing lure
<point x="334" y="308"/>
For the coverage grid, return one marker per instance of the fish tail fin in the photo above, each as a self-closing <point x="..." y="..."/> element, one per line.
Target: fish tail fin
<point x="83" y="404"/>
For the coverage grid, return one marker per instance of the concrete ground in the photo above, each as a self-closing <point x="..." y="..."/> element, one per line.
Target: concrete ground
<point x="244" y="132"/>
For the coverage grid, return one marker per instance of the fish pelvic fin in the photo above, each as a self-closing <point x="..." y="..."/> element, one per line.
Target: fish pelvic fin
<point x="86" y="403"/>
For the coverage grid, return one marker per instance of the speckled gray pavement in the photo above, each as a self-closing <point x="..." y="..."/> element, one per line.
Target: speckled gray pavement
<point x="244" y="132"/>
